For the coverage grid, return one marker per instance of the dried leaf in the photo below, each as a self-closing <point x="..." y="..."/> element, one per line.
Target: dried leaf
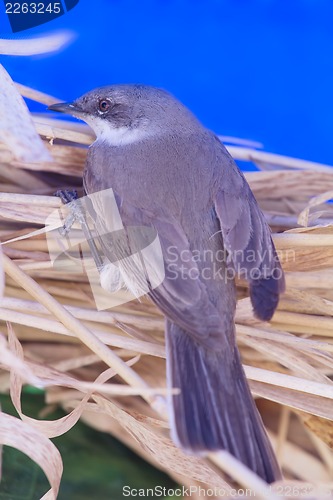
<point x="17" y="130"/>
<point x="38" y="45"/>
<point x="23" y="437"/>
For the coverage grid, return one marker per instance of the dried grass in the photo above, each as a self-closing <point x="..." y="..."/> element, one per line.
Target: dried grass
<point x="55" y="339"/>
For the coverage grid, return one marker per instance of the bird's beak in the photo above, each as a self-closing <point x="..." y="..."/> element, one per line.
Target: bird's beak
<point x="70" y="108"/>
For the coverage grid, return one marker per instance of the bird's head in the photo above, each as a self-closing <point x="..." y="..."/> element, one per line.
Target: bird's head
<point x="121" y="114"/>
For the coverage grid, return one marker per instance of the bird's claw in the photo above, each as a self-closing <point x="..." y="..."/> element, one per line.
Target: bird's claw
<point x="67" y="195"/>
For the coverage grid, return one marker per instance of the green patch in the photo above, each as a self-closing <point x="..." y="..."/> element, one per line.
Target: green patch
<point x="95" y="464"/>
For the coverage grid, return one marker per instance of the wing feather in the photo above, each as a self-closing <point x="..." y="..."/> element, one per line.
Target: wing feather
<point x="247" y="238"/>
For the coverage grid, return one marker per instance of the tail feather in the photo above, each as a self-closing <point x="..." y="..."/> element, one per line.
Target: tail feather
<point x="215" y="409"/>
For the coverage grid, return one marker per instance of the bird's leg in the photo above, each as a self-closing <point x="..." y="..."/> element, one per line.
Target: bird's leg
<point x="67" y="196"/>
<point x="77" y="215"/>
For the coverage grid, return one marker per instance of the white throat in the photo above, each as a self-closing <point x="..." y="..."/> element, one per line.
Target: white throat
<point x="115" y="136"/>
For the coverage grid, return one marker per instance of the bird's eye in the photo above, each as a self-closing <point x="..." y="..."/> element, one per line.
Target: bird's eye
<point x="104" y="105"/>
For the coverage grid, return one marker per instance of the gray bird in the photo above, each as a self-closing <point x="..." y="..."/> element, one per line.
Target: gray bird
<point x="171" y="174"/>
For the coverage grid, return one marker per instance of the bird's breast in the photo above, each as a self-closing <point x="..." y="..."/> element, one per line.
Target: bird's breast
<point x="168" y="172"/>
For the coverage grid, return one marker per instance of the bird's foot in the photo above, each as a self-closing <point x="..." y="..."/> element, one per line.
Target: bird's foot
<point x="68" y="196"/>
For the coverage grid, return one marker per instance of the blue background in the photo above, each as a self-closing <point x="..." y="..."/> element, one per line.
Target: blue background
<point x="257" y="69"/>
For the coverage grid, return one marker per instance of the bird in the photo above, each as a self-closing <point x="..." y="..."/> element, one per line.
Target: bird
<point x="171" y="174"/>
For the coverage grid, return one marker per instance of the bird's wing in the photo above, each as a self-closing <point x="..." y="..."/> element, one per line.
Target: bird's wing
<point x="181" y="295"/>
<point x="247" y="237"/>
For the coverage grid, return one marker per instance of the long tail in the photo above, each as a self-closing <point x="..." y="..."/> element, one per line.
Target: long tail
<point x="215" y="409"/>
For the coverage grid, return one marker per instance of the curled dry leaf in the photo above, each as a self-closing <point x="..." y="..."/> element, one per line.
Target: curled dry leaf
<point x="17" y="130"/>
<point x="25" y="438"/>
